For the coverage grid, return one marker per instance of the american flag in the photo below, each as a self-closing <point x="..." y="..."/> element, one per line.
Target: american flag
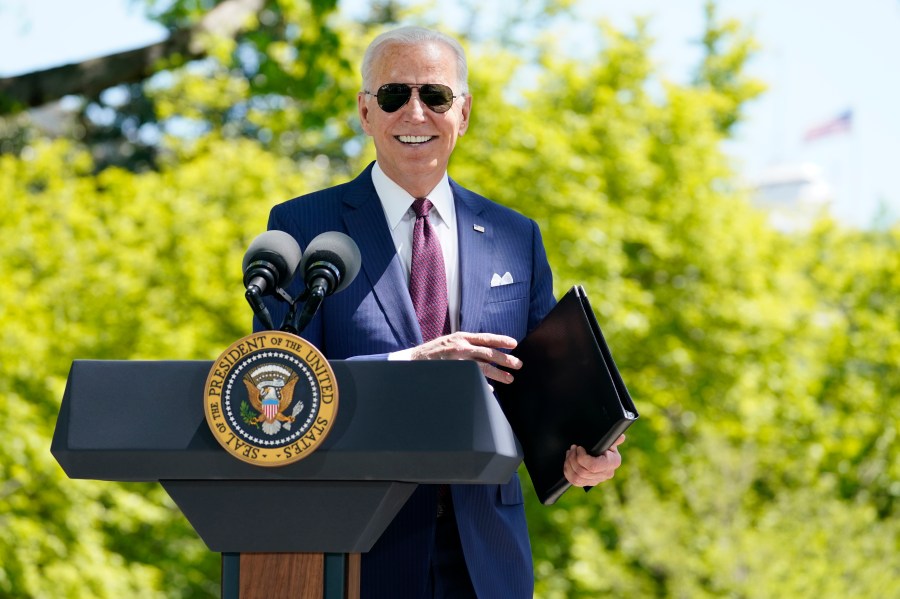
<point x="842" y="123"/>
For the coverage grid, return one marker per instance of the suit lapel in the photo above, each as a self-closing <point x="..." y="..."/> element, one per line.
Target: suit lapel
<point x="474" y="257"/>
<point x="364" y="219"/>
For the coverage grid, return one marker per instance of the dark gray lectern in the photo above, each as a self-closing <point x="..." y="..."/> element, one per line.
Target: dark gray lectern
<point x="399" y="424"/>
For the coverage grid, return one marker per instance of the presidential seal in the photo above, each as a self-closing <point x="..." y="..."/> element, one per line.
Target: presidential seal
<point x="271" y="398"/>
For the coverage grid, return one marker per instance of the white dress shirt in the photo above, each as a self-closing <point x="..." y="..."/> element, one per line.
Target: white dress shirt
<point x="397" y="205"/>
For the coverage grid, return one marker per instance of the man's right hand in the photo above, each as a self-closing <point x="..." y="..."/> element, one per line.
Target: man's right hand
<point x="484" y="348"/>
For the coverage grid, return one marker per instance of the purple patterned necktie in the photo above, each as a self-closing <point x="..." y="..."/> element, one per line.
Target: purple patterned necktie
<point x="427" y="277"/>
<point x="428" y="290"/>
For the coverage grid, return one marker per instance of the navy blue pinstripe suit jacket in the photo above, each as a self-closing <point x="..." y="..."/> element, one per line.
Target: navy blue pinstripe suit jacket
<point x="374" y="316"/>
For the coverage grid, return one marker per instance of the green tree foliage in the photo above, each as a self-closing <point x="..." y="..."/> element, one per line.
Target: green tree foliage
<point x="288" y="82"/>
<point x="764" y="365"/>
<point x="115" y="266"/>
<point x="761" y="466"/>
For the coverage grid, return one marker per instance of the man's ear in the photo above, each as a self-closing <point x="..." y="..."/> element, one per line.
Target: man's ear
<point x="363" y="111"/>
<point x="466" y="111"/>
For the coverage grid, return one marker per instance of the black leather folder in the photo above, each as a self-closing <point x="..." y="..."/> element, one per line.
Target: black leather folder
<point x="567" y="392"/>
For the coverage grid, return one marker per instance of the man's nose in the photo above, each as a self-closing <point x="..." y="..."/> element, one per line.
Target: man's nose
<point x="415" y="106"/>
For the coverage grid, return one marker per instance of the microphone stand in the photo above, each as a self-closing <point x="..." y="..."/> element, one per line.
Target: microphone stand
<point x="296" y="319"/>
<point x="322" y="279"/>
<point x="254" y="298"/>
<point x="291" y="320"/>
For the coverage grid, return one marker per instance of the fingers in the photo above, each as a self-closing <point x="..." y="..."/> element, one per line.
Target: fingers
<point x="582" y="469"/>
<point x="484" y="348"/>
<point x="495" y="374"/>
<point x="487" y="339"/>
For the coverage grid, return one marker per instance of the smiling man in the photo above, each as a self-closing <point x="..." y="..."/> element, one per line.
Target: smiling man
<point x="446" y="274"/>
<point x="413" y="143"/>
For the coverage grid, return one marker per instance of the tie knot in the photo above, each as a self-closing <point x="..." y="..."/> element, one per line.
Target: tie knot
<point x="422" y="206"/>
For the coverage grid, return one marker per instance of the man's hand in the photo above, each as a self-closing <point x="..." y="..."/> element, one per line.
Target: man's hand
<point x="584" y="470"/>
<point x="484" y="348"/>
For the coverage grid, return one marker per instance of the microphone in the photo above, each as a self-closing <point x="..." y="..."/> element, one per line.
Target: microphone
<point x="330" y="263"/>
<point x="269" y="264"/>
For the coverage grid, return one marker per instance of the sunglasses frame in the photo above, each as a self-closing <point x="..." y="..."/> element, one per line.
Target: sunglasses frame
<point x="439" y="87"/>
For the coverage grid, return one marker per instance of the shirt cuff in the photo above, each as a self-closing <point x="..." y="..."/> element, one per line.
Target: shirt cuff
<point x="403" y="354"/>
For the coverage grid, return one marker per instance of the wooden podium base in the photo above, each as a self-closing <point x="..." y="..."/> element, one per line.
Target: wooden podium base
<point x="290" y="575"/>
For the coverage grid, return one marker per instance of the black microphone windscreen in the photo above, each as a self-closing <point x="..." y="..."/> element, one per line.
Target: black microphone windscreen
<point x="277" y="247"/>
<point x="338" y="249"/>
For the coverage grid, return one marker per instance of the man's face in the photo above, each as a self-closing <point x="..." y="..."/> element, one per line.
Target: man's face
<point x="413" y="144"/>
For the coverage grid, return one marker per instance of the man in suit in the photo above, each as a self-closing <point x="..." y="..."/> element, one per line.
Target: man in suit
<point x="494" y="285"/>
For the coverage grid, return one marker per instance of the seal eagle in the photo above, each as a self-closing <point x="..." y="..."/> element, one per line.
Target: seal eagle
<point x="271" y="401"/>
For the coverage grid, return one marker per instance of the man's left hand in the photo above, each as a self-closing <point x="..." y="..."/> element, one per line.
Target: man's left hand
<point x="584" y="470"/>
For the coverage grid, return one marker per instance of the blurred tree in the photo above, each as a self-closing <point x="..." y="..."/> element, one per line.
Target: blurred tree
<point x="189" y="40"/>
<point x="720" y="330"/>
<point x="115" y="266"/>
<point x="272" y="70"/>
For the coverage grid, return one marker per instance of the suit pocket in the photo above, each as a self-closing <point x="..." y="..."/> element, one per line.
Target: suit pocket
<point x="506" y="310"/>
<point x="511" y="492"/>
<point x="505" y="293"/>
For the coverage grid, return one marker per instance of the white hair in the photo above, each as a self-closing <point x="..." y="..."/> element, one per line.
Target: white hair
<point x="411" y="36"/>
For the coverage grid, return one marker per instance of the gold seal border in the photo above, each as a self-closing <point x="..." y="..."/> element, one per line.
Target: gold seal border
<point x="236" y="353"/>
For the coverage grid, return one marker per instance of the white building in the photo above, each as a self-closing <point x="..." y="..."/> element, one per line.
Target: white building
<point x="794" y="195"/>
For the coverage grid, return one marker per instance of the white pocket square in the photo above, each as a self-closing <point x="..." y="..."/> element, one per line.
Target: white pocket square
<point x="497" y="280"/>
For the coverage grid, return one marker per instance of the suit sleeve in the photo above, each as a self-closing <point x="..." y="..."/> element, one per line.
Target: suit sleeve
<point x="541" y="295"/>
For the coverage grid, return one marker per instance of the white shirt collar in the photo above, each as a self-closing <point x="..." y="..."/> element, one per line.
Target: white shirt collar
<point x="396" y="201"/>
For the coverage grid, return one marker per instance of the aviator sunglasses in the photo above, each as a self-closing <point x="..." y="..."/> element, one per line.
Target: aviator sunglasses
<point x="392" y="96"/>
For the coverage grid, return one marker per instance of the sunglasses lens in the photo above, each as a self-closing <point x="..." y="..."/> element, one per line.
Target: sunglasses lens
<point x="392" y="96"/>
<point x="436" y="96"/>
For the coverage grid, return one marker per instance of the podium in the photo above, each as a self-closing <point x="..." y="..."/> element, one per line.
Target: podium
<point x="295" y="530"/>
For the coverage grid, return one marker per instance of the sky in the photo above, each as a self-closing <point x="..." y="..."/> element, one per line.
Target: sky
<point x="819" y="58"/>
